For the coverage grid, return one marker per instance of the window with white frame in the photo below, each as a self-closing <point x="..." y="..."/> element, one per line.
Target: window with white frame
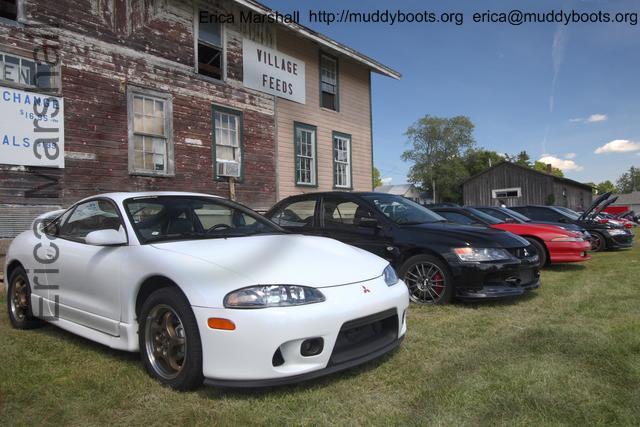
<point x="227" y="138"/>
<point x="328" y="82"/>
<point x="305" y="145"/>
<point x="342" y="160"/>
<point x="150" y="133"/>
<point x="209" y="50"/>
<point x="505" y="193"/>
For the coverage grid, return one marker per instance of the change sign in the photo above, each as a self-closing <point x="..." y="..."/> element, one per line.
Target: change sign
<point x="31" y="129"/>
<point x="270" y="71"/>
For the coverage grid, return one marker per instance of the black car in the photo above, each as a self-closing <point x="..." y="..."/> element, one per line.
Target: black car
<point x="508" y="215"/>
<point x="603" y="235"/>
<point x="438" y="261"/>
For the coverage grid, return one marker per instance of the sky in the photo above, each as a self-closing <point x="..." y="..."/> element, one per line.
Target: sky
<point x="567" y="94"/>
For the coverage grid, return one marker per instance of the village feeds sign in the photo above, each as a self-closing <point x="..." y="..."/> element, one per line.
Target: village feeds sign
<point x="31" y="129"/>
<point x="270" y="71"/>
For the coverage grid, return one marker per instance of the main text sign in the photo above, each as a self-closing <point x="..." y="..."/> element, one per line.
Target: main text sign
<point x="270" y="71"/>
<point x="31" y="129"/>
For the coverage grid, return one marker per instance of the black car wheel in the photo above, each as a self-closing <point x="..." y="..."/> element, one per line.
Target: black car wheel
<point x="170" y="341"/>
<point x="19" y="301"/>
<point x="597" y="242"/>
<point x="540" y="250"/>
<point x="428" y="280"/>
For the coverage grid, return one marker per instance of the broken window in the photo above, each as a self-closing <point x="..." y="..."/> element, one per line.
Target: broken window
<point x="9" y="9"/>
<point x="210" y="52"/>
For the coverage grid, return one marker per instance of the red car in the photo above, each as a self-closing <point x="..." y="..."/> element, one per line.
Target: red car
<point x="553" y="244"/>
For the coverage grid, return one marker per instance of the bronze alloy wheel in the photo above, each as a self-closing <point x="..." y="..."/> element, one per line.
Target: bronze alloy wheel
<point x="426" y="283"/>
<point x="20" y="300"/>
<point x="165" y="341"/>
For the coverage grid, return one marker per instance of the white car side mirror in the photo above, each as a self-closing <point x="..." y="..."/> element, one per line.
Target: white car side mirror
<point x="108" y="237"/>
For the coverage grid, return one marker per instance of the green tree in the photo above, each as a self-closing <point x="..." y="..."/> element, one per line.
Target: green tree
<point x="479" y="160"/>
<point x="377" y="180"/>
<point x="542" y="167"/>
<point x="605" y="187"/>
<point x="522" y="158"/>
<point x="629" y="181"/>
<point x="438" y="145"/>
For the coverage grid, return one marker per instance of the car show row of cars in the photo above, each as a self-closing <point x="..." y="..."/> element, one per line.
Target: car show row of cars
<point x="210" y="291"/>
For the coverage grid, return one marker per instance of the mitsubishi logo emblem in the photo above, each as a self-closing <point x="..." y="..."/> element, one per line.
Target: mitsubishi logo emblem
<point x="365" y="290"/>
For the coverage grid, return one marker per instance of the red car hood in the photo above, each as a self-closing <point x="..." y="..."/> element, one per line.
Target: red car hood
<point x="543" y="231"/>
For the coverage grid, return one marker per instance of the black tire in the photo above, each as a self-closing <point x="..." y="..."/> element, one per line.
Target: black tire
<point x="598" y="243"/>
<point x="438" y="288"/>
<point x="161" y="364"/>
<point x="541" y="250"/>
<point x="19" y="301"/>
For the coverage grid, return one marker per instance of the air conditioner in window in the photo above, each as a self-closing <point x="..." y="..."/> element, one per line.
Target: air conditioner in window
<point x="227" y="168"/>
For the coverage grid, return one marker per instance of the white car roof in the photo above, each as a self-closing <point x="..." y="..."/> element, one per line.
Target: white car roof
<point x="120" y="196"/>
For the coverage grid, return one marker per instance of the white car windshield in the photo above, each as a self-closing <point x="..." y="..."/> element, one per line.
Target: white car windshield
<point x="162" y="218"/>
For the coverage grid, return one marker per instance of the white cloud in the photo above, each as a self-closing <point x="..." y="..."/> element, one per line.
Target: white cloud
<point x="597" y="118"/>
<point x="386" y="180"/>
<point x="618" y="146"/>
<point x="570" y="156"/>
<point x="594" y="118"/>
<point x="563" y="165"/>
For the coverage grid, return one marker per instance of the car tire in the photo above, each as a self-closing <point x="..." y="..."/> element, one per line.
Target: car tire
<point x="428" y="280"/>
<point x="19" y="301"/>
<point x="169" y="338"/>
<point x="541" y="250"/>
<point x="598" y="243"/>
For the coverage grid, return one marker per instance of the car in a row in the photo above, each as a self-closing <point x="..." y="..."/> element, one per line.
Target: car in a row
<point x="206" y="289"/>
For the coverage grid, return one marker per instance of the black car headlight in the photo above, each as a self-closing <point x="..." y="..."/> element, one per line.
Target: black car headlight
<point x="390" y="276"/>
<point x="481" y="254"/>
<point x="616" y="232"/>
<point x="263" y="296"/>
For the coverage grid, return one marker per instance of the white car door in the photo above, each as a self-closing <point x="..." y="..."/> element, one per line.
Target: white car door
<point x="87" y="281"/>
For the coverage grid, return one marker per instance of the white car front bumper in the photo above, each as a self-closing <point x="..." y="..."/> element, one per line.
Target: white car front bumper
<point x="374" y="313"/>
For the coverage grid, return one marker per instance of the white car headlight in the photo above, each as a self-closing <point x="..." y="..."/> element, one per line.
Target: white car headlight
<point x="263" y="296"/>
<point x="616" y="232"/>
<point x="481" y="254"/>
<point x="390" y="276"/>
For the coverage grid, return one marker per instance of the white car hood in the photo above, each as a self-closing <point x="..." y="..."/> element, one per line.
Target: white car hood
<point x="284" y="259"/>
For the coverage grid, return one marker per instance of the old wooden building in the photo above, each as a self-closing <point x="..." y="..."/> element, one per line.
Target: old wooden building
<point x="220" y="96"/>
<point x="511" y="184"/>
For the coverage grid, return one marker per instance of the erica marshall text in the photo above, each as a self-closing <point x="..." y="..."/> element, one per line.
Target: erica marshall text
<point x="249" y="17"/>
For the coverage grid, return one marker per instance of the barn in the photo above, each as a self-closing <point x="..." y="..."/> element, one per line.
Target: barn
<point x="512" y="184"/>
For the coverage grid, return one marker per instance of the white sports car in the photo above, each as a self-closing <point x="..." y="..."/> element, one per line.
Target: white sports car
<point x="206" y="289"/>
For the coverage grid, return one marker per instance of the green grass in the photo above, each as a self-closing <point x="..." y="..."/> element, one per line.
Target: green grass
<point x="567" y="354"/>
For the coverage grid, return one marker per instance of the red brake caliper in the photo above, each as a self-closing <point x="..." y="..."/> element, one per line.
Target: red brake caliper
<point x="437" y="283"/>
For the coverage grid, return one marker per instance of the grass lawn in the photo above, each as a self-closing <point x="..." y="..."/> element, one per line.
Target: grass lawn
<point x="567" y="354"/>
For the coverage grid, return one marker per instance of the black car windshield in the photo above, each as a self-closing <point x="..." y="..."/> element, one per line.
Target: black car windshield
<point x="484" y="217"/>
<point x="516" y="215"/>
<point x="403" y="211"/>
<point x="568" y="212"/>
<point x="162" y="218"/>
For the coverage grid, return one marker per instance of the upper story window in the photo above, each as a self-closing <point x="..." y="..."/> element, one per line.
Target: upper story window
<point x="228" y="142"/>
<point x="341" y="160"/>
<point x="328" y="82"/>
<point x="150" y="133"/>
<point x="9" y="9"/>
<point x="17" y="71"/>
<point x="305" y="149"/>
<point x="210" y="55"/>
